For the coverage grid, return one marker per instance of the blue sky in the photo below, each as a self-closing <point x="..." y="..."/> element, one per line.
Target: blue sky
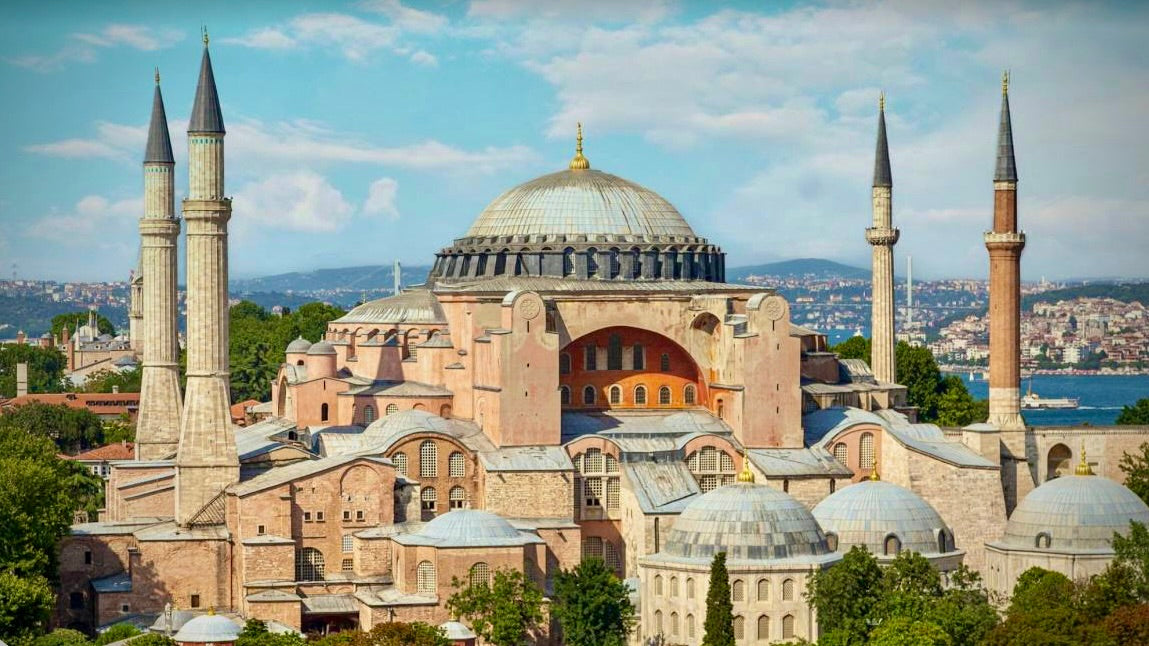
<point x="366" y="131"/>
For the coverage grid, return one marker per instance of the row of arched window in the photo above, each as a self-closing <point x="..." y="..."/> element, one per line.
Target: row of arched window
<point x="614" y="358"/>
<point x="429" y="462"/>
<point x="688" y="628"/>
<point x="865" y="452"/>
<point x="370" y="414"/>
<point x="639" y="396"/>
<point x="738" y="590"/>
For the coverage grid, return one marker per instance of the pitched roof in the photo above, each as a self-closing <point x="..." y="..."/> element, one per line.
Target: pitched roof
<point x="117" y="451"/>
<point x="159" y="148"/>
<point x="98" y="403"/>
<point x="206" y="115"/>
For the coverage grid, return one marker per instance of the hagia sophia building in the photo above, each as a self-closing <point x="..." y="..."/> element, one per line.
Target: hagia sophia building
<point x="575" y="379"/>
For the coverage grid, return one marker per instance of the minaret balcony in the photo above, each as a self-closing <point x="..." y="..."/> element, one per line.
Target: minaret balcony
<point x="882" y="236"/>
<point x="1004" y="239"/>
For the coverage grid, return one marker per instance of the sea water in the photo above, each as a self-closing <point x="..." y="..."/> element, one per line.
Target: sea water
<point x="1100" y="397"/>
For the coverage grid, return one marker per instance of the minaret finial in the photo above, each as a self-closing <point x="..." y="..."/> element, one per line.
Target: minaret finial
<point x="1083" y="469"/>
<point x="747" y="475"/>
<point x="157" y="76"/>
<point x="203" y="28"/>
<point x="579" y="162"/>
<point x="1005" y="82"/>
<point x="882" y="101"/>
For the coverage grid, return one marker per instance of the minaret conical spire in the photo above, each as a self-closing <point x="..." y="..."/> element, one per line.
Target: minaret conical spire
<point x="159" y="148"/>
<point x="206" y="115"/>
<point x="882" y="175"/>
<point x="1006" y="165"/>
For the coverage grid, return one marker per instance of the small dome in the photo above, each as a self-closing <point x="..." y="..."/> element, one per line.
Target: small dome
<point x="469" y="526"/>
<point x="208" y="629"/>
<point x="750" y="522"/>
<point x="321" y="348"/>
<point x="456" y="631"/>
<point x="867" y="512"/>
<point x="1079" y="512"/>
<point x="299" y="345"/>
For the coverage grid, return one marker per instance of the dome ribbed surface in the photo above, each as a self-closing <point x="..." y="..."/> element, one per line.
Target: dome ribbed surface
<point x="747" y="521"/>
<point x="469" y="525"/>
<point x="867" y="512"/>
<point x="574" y="202"/>
<point x="207" y="629"/>
<point x="1078" y="513"/>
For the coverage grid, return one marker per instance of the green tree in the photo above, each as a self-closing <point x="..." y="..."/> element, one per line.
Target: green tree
<point x="956" y="406"/>
<point x="72" y="429"/>
<point x="26" y="604"/>
<point x="719" y="626"/>
<point x="74" y="320"/>
<point x="1132" y="552"/>
<point x="910" y="586"/>
<point x="107" y="380"/>
<point x="847" y="595"/>
<point x="1044" y="610"/>
<point x="386" y="634"/>
<point x="1135" y="466"/>
<point x="903" y="630"/>
<point x="116" y="633"/>
<point x="592" y="605"/>
<point x="964" y="611"/>
<point x="310" y="321"/>
<point x="62" y="637"/>
<point x="919" y="373"/>
<point x="855" y="347"/>
<point x="1129" y="624"/>
<point x="255" y="633"/>
<point x="153" y="639"/>
<point x="1135" y="415"/>
<point x="121" y="429"/>
<point x="45" y="369"/>
<point x="503" y="613"/>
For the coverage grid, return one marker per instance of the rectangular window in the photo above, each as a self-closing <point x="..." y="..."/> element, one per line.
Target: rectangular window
<point x="359" y="515"/>
<point x="260" y="529"/>
<point x="307" y="517"/>
<point x="639" y="358"/>
<point x="612" y="491"/>
<point x="348" y="565"/>
<point x="614" y="353"/>
<point x="348" y="543"/>
<point x="592" y="492"/>
<point x="125" y="608"/>
<point x="319" y="517"/>
<point x="195" y="601"/>
<point x="346" y="515"/>
<point x="590" y="357"/>
<point x="87" y="557"/>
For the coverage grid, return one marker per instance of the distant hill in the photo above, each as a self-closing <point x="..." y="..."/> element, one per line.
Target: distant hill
<point x="1124" y="292"/>
<point x="797" y="268"/>
<point x="365" y="278"/>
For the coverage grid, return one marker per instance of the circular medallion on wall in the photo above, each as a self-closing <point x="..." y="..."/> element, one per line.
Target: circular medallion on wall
<point x="529" y="308"/>
<point x="774" y="307"/>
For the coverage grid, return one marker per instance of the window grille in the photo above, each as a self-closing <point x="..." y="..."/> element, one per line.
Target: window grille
<point x="690" y="588"/>
<point x="348" y="543"/>
<point x="763" y="628"/>
<point x="590" y="357"/>
<point x="866" y="452"/>
<point x="611" y="463"/>
<point x="457" y="497"/>
<point x="480" y="574"/>
<point x="428" y="459"/>
<point x="764" y="590"/>
<point x="425" y="582"/>
<point x="709" y="459"/>
<point x="739" y="628"/>
<point x="690" y="626"/>
<point x="612" y="493"/>
<point x="664" y="362"/>
<point x="592" y="548"/>
<point x="688" y="395"/>
<point x="738" y="590"/>
<point x="664" y="396"/>
<point x="842" y="453"/>
<point x="788" y="590"/>
<point x="708" y="483"/>
<point x="640" y="395"/>
<point x="400" y="462"/>
<point x="594" y="461"/>
<point x="592" y="492"/>
<point x="615" y="395"/>
<point x="309" y="565"/>
<point x="674" y="624"/>
<point x="428" y="498"/>
<point x="457" y="465"/>
<point x="788" y="627"/>
<point x="726" y="461"/>
<point x="391" y="409"/>
<point x="348" y="565"/>
<point x="612" y="560"/>
<point x="368" y="414"/>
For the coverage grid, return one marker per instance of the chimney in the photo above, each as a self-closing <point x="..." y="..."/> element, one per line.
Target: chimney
<point x="115" y="390"/>
<point x="21" y="379"/>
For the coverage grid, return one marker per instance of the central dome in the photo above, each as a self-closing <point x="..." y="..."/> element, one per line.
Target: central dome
<point x="580" y="202"/>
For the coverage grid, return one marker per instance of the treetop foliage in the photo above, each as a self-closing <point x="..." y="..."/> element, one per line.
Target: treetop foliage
<point x="592" y="605"/>
<point x="45" y="369"/>
<point x="1135" y="415"/>
<point x="719" y="626"/>
<point x="259" y="339"/>
<point x="504" y="612"/>
<point x="73" y="321"/>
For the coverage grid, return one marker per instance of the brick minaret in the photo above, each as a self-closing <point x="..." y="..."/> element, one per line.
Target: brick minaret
<point x="1005" y="244"/>
<point x="158" y="425"/>
<point x="882" y="237"/>
<point x="206" y="462"/>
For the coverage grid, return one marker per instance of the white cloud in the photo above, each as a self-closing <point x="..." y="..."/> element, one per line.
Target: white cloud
<point x="407" y="18"/>
<point x="83" y="47"/>
<point x="381" y="198"/>
<point x="354" y="38"/>
<point x="424" y="58"/>
<point x="297" y="201"/>
<point x="93" y="214"/>
<point x="264" y="38"/>
<point x="580" y="11"/>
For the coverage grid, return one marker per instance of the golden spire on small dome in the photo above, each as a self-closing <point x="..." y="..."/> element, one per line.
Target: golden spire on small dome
<point x="874" y="468"/>
<point x="579" y="162"/>
<point x="1083" y="468"/>
<point x="747" y="475"/>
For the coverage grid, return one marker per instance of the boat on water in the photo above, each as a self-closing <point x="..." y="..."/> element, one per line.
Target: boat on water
<point x="1032" y="400"/>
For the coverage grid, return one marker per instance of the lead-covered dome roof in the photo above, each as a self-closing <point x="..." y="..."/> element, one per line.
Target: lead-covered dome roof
<point x="750" y="522"/>
<point x="208" y="629"/>
<point x="868" y="512"/>
<point x="1078" y="512"/>
<point x="468" y="528"/>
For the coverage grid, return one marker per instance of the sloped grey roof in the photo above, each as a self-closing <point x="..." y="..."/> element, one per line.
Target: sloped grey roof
<point x="295" y="471"/>
<point x="526" y="458"/>
<point x="467" y="528"/>
<point x="169" y="531"/>
<point x="206" y="116"/>
<point x="321" y="348"/>
<point x="622" y="425"/>
<point x="413" y="306"/>
<point x="398" y="389"/>
<point x="272" y="595"/>
<point x="255" y="440"/>
<point x="865" y="513"/>
<point x="159" y="146"/>
<point x="298" y="345"/>
<point x="121" y="582"/>
<point x="1080" y="514"/>
<point x="384" y="432"/>
<point x="856" y="370"/>
<point x="1006" y="170"/>
<point x="661" y="487"/>
<point x="814" y="461"/>
<point x="882" y="176"/>
<point x="455" y="631"/>
<point x="325" y="604"/>
<point x="821" y="426"/>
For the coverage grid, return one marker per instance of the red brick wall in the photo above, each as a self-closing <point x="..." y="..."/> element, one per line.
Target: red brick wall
<point x="682" y="371"/>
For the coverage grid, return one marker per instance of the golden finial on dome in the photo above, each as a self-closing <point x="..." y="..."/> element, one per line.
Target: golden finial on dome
<point x="882" y="101"/>
<point x="578" y="162"/>
<point x="1005" y="82"/>
<point x="1083" y="469"/>
<point x="747" y="475"/>
<point x="874" y="468"/>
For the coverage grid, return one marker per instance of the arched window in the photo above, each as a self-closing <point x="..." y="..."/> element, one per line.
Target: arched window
<point x="592" y="262"/>
<point x="673" y="586"/>
<point x="658" y="585"/>
<point x="636" y="260"/>
<point x="640" y="395"/>
<point x="391" y="409"/>
<point x="832" y="541"/>
<point x="690" y="626"/>
<point x="564" y="364"/>
<point x="480" y="574"/>
<point x="764" y="589"/>
<point x="688" y="395"/>
<point x="738" y="590"/>
<point x="639" y="357"/>
<point x="763" y="628"/>
<point x="323" y="412"/>
<point x="720" y="409"/>
<point x="456" y="465"/>
<point x="788" y="627"/>
<point x="893" y="545"/>
<point x="564" y="395"/>
<point x="658" y="622"/>
<point x="592" y="549"/>
<point x="664" y="396"/>
<point x="1042" y="541"/>
<point x="368" y="414"/>
<point x="457" y="497"/>
<point x="664" y="362"/>
<point x="428" y="498"/>
<point x="400" y="462"/>
<point x="866" y="452"/>
<point x="428" y="460"/>
<point x="674" y="624"/>
<point x="842" y="453"/>
<point x="690" y="588"/>
<point x="425" y="580"/>
<point x="615" y="395"/>
<point x="568" y="262"/>
<point x="1059" y="461"/>
<point x="788" y="590"/>
<point x="588" y="395"/>
<point x="309" y="565"/>
<point x="943" y="547"/>
<point x="739" y="628"/>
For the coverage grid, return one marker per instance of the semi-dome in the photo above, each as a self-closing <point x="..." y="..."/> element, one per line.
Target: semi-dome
<point x="869" y="512"/>
<point x="750" y="522"/>
<point x="1078" y="512"/>
<point x="298" y="346"/>
<point x="208" y="629"/>
<point x="321" y="348"/>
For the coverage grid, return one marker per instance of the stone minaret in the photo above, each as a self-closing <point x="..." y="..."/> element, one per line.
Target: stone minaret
<point x="1005" y="243"/>
<point x="882" y="237"/>
<point x="136" y="298"/>
<point x="206" y="462"/>
<point x="158" y="424"/>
